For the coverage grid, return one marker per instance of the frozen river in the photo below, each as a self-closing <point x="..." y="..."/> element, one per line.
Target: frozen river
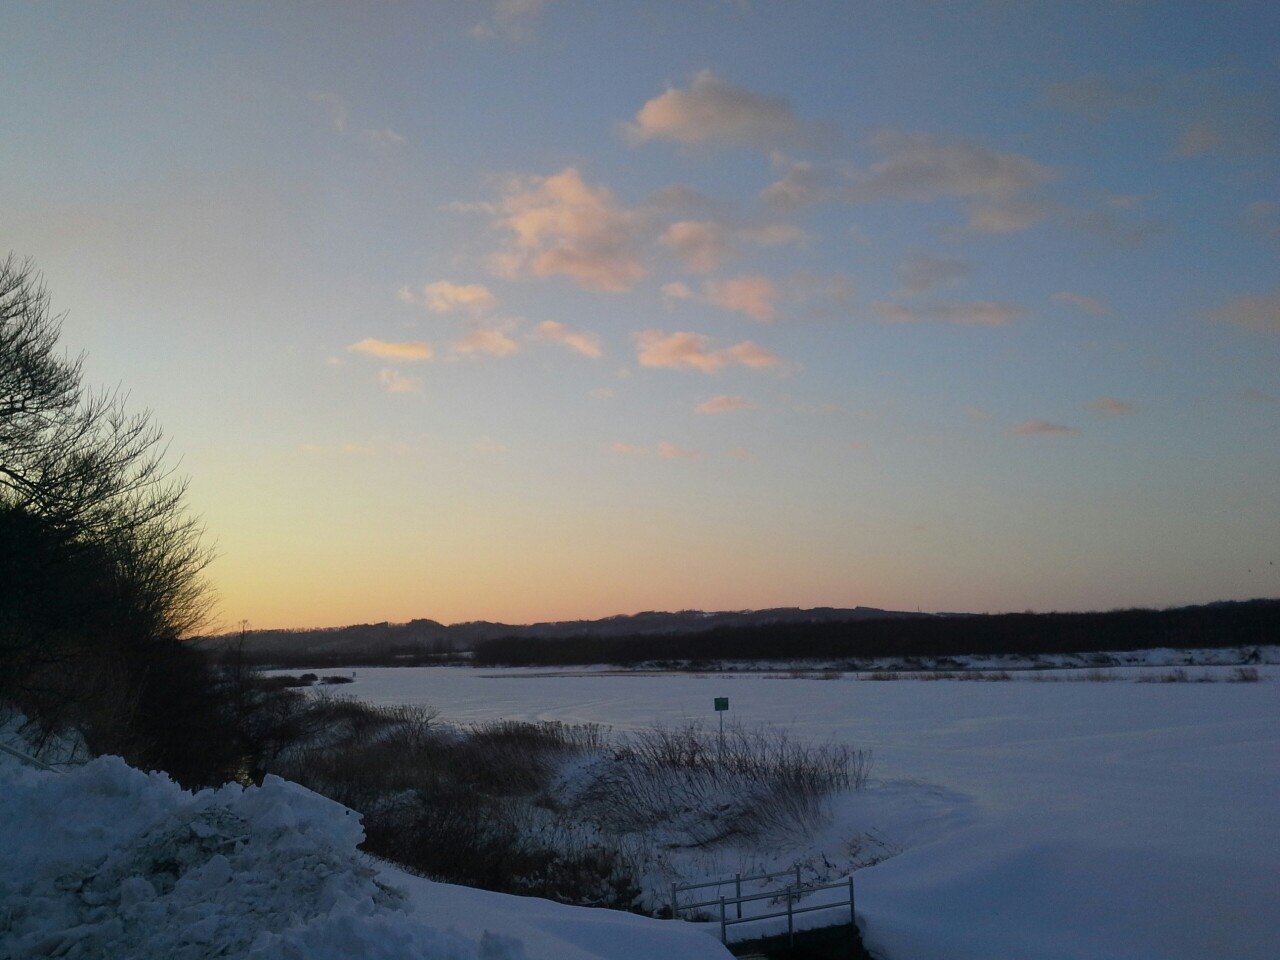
<point x="1038" y="820"/>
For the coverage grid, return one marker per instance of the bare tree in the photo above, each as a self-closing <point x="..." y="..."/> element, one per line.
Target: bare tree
<point x="100" y="560"/>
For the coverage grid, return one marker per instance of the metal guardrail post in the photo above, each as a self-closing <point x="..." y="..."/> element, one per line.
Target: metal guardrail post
<point x="853" y="919"/>
<point x="724" y="928"/>
<point x="791" y="923"/>
<point x="737" y="882"/>
<point x="675" y="913"/>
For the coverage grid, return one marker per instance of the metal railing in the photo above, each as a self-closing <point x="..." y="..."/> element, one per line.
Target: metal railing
<point x="791" y="893"/>
<point x="738" y="880"/>
<point x="40" y="764"/>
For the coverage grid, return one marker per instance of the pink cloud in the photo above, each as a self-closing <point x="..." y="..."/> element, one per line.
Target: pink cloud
<point x="1082" y="302"/>
<point x="700" y="244"/>
<point x="1251" y="313"/>
<point x="393" y="381"/>
<point x="711" y="112"/>
<point x="724" y="404"/>
<point x="1113" y="407"/>
<point x="752" y="295"/>
<point x="487" y="341"/>
<point x="446" y="297"/>
<point x="671" y="452"/>
<point x="980" y="313"/>
<point x="561" y="225"/>
<point x="587" y="344"/>
<point x="1030" y="428"/>
<point x="400" y="352"/>
<point x="693" y="351"/>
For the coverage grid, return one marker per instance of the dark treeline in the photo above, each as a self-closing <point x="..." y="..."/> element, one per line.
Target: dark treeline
<point x="374" y="654"/>
<point x="428" y="641"/>
<point x="1244" y="623"/>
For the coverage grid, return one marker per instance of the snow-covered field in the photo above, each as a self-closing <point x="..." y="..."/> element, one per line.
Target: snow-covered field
<point x="1035" y="820"/>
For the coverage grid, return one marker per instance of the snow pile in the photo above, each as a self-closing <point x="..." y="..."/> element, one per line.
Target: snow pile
<point x="107" y="861"/>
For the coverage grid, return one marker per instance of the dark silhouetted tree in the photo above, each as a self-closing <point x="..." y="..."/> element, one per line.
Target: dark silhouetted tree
<point x="101" y="563"/>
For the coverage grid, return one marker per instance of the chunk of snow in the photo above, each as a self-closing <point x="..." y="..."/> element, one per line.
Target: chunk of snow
<point x="108" y="861"/>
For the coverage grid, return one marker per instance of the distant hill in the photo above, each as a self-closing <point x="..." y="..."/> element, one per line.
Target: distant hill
<point x="417" y="639"/>
<point x="1249" y="623"/>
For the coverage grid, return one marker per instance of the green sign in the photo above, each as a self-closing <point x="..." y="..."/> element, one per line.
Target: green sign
<point x="722" y="703"/>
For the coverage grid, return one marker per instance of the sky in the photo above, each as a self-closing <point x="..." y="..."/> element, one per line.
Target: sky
<point x="548" y="309"/>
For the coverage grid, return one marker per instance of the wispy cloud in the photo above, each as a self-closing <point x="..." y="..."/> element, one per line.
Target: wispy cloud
<point x="693" y="351"/>
<point x="917" y="166"/>
<point x="580" y="341"/>
<point x="753" y="296"/>
<point x="393" y="381"/>
<point x="1262" y="219"/>
<point x="446" y="297"/>
<point x="339" y="117"/>
<point x="711" y="112"/>
<point x="922" y="167"/>
<point x="1254" y="395"/>
<point x="1095" y="95"/>
<point x="670" y="451"/>
<point x="1260" y="313"/>
<point x="924" y="272"/>
<point x="800" y="183"/>
<point x="1031" y="428"/>
<point x="978" y="313"/>
<point x="1082" y="302"/>
<point x="1007" y="216"/>
<point x="628" y="449"/>
<point x="511" y="20"/>
<point x="1206" y="111"/>
<point x="405" y="351"/>
<point x="704" y="246"/>
<point x="384" y="137"/>
<point x="339" y="449"/>
<point x="485" y="341"/>
<point x="561" y="225"/>
<point x="335" y="110"/>
<point x="664" y="449"/>
<point x="1111" y="407"/>
<point x="488" y="446"/>
<point x="724" y="404"/>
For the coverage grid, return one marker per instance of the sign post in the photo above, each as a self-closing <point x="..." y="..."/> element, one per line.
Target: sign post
<point x="722" y="707"/>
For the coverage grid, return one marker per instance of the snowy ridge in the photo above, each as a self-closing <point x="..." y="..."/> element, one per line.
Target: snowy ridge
<point x="107" y="861"/>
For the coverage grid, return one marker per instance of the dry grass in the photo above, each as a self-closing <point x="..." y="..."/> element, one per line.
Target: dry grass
<point x="560" y="811"/>
<point x="696" y="789"/>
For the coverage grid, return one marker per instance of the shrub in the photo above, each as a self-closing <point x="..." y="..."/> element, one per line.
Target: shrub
<point x="550" y="809"/>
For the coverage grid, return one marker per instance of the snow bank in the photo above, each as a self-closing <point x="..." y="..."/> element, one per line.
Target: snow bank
<point x="107" y="861"/>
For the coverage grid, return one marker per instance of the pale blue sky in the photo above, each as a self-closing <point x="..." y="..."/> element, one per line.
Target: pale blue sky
<point x="982" y="298"/>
